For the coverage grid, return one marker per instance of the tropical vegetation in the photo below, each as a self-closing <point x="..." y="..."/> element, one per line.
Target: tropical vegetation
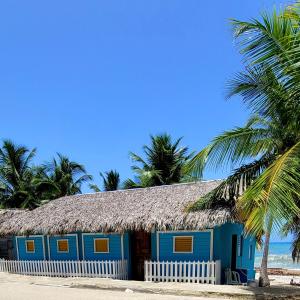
<point x="264" y="187"/>
<point x="164" y="163"/>
<point x="23" y="185"/>
<point x="263" y="190"/>
<point x="111" y="181"/>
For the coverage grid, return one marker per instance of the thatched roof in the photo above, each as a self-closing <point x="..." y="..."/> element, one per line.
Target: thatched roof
<point x="8" y="214"/>
<point x="162" y="207"/>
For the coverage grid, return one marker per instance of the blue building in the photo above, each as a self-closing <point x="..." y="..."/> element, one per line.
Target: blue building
<point x="150" y="224"/>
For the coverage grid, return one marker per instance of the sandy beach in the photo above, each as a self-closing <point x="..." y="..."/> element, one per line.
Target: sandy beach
<point x="281" y="276"/>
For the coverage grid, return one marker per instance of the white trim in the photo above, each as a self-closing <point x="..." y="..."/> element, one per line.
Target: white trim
<point x="82" y="247"/>
<point x="17" y="248"/>
<point x="183" y="236"/>
<point x="184" y="231"/>
<point x="96" y="239"/>
<point x="44" y="248"/>
<point x="26" y="248"/>
<point x="122" y="246"/>
<point x="157" y="245"/>
<point x="240" y="245"/>
<point x="94" y="233"/>
<point x="62" y="236"/>
<point x="114" y="269"/>
<point x="250" y="252"/>
<point x="211" y="254"/>
<point x="99" y="233"/>
<point x="48" y="244"/>
<point x="57" y="247"/>
<point x="211" y="230"/>
<point x="77" y="246"/>
<point x="30" y="236"/>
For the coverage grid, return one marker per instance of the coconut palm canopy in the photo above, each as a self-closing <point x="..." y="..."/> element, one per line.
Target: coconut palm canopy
<point x="161" y="207"/>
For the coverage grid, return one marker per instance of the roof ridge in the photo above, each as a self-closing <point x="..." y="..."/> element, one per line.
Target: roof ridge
<point x="149" y="187"/>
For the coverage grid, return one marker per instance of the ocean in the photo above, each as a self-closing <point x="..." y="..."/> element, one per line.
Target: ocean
<point x="279" y="256"/>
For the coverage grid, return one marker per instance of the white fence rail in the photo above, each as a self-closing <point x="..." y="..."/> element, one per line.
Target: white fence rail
<point x="183" y="271"/>
<point x="116" y="269"/>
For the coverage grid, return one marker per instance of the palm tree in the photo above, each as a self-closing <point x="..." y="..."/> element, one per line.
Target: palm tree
<point x="65" y="177"/>
<point x="17" y="187"/>
<point x="111" y="181"/>
<point x="264" y="188"/>
<point x="164" y="163"/>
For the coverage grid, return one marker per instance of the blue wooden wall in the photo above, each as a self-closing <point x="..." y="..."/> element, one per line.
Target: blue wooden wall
<point x="201" y="246"/>
<point x="20" y="246"/>
<point x="223" y="248"/>
<point x="72" y="254"/>
<point x="81" y="246"/>
<point x="114" y="240"/>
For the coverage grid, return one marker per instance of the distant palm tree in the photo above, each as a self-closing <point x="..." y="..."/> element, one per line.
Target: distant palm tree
<point x="163" y="164"/>
<point x="17" y="187"/>
<point x="111" y="181"/>
<point x="65" y="177"/>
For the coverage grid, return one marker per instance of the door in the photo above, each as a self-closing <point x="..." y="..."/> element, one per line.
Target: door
<point x="140" y="251"/>
<point x="233" y="252"/>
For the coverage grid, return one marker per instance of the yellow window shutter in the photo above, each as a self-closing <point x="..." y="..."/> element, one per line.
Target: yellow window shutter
<point x="183" y="244"/>
<point x="101" y="245"/>
<point x="30" y="246"/>
<point x="63" y="246"/>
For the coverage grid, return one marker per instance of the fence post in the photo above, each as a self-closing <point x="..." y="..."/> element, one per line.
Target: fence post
<point x="109" y="269"/>
<point x="218" y="272"/>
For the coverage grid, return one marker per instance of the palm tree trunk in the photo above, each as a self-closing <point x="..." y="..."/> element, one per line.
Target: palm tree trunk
<point x="264" y="278"/>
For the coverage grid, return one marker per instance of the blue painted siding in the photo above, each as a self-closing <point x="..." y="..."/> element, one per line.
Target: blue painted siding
<point x="201" y="246"/>
<point x="79" y="241"/>
<point x="126" y="246"/>
<point x="153" y="246"/>
<point x="114" y="240"/>
<point x="71" y="255"/>
<point x="223" y="248"/>
<point x="20" y="243"/>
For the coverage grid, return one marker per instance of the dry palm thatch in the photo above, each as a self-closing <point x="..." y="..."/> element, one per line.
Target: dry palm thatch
<point x="8" y="214"/>
<point x="161" y="208"/>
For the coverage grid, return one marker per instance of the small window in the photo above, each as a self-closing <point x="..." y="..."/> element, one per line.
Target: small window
<point x="101" y="245"/>
<point x="251" y="252"/>
<point x="240" y="245"/>
<point x="62" y="246"/>
<point x="30" y="247"/>
<point x="183" y="244"/>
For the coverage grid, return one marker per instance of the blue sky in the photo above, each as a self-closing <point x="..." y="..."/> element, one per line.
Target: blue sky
<point x="93" y="79"/>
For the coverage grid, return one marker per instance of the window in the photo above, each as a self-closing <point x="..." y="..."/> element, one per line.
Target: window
<point x="62" y="246"/>
<point x="182" y="244"/>
<point x="251" y="252"/>
<point x="240" y="245"/>
<point x="30" y="247"/>
<point x="101" y="245"/>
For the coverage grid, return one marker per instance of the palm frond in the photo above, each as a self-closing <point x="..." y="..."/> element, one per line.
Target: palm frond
<point x="235" y="147"/>
<point x="227" y="193"/>
<point x="273" y="192"/>
<point x="95" y="188"/>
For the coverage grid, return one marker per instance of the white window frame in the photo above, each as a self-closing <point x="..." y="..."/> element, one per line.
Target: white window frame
<point x="97" y="252"/>
<point x="250" y="252"/>
<point x="62" y="240"/>
<point x="30" y="252"/>
<point x="23" y="237"/>
<point x="183" y="236"/>
<point x="240" y="245"/>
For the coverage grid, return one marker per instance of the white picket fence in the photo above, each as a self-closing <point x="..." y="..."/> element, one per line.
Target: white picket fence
<point x="183" y="271"/>
<point x="116" y="269"/>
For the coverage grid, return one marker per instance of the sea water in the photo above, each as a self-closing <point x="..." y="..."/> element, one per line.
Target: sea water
<point x="280" y="256"/>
